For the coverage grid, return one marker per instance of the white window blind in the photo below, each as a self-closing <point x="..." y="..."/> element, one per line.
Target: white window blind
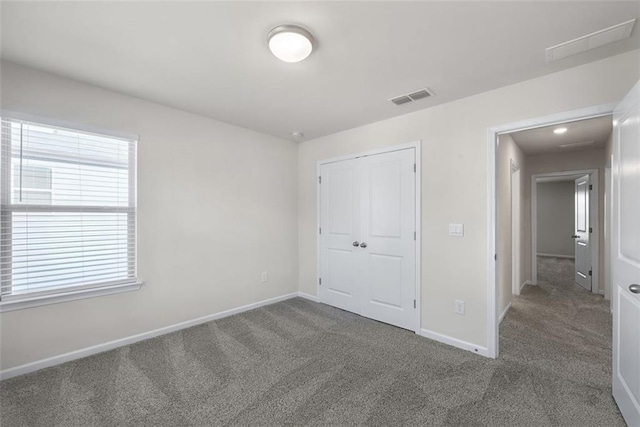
<point x="67" y="211"/>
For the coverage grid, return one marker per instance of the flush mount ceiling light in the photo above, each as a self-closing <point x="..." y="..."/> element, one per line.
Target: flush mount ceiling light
<point x="559" y="131"/>
<point x="290" y="43"/>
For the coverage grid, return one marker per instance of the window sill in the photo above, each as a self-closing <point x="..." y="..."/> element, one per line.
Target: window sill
<point x="29" y="302"/>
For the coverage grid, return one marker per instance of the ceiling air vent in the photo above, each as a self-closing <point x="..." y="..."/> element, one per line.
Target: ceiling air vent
<point x="590" y="41"/>
<point x="411" y="97"/>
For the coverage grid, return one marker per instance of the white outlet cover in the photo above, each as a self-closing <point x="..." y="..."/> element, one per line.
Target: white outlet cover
<point x="459" y="307"/>
<point x="456" y="230"/>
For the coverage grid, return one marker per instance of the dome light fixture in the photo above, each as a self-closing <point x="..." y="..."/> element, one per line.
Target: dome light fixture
<point x="560" y="131"/>
<point x="290" y="43"/>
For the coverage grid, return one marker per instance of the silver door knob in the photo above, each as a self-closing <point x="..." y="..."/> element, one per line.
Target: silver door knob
<point x="363" y="245"/>
<point x="635" y="288"/>
<point x="356" y="243"/>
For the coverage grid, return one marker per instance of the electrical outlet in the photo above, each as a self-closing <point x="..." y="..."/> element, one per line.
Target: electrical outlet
<point x="264" y="277"/>
<point x="459" y="307"/>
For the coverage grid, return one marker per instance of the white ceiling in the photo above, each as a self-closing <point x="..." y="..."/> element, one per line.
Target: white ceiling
<point x="543" y="141"/>
<point x="211" y="58"/>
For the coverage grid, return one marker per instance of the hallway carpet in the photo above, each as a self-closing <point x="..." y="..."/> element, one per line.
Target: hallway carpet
<point x="302" y="363"/>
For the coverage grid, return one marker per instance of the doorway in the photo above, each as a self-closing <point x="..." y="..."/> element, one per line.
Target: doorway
<point x="563" y="203"/>
<point x="494" y="306"/>
<point x="368" y="225"/>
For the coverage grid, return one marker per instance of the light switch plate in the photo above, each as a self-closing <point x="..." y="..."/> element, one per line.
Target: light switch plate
<point x="459" y="307"/>
<point x="456" y="230"/>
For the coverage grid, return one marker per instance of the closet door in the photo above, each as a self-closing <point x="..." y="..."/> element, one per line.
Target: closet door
<point x="340" y="212"/>
<point x="388" y="268"/>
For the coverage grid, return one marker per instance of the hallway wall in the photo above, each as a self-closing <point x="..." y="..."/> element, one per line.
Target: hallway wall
<point x="556" y="218"/>
<point x="508" y="151"/>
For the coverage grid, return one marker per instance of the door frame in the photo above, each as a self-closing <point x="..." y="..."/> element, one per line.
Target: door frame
<point x="418" y="218"/>
<point x="516" y="229"/>
<point x="594" y="222"/>
<point x="492" y="201"/>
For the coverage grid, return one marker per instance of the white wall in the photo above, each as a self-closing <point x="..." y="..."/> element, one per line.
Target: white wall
<point x="217" y="206"/>
<point x="558" y="162"/>
<point x="556" y="218"/>
<point x="508" y="151"/>
<point x="454" y="180"/>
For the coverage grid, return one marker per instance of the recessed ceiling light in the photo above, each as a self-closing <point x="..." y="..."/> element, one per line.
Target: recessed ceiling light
<point x="559" y="131"/>
<point x="297" y="135"/>
<point x="290" y="43"/>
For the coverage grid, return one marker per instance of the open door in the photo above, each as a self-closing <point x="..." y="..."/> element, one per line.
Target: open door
<point x="625" y="256"/>
<point x="581" y="233"/>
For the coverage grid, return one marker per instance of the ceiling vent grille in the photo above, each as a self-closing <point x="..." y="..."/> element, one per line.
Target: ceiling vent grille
<point x="411" y="97"/>
<point x="591" y="41"/>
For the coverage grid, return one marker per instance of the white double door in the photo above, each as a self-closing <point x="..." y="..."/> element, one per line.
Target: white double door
<point x="367" y="237"/>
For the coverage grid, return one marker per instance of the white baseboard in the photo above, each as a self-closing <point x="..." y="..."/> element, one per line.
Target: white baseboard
<point x="504" y="313"/>
<point x="455" y="342"/>
<point x="100" y="348"/>
<point x="556" y="255"/>
<point x="526" y="282"/>
<point x="308" y="296"/>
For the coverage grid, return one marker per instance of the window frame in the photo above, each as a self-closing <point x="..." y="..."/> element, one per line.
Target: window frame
<point x="81" y="291"/>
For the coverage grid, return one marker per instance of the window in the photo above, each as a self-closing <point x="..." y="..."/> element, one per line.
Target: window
<point x="67" y="211"/>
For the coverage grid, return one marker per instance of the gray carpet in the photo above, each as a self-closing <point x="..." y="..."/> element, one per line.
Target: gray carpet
<point x="559" y="271"/>
<point x="302" y="363"/>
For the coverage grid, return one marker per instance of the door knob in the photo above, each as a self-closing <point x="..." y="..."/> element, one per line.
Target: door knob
<point x="575" y="236"/>
<point x="635" y="288"/>
<point x="363" y="245"/>
<point x="356" y="243"/>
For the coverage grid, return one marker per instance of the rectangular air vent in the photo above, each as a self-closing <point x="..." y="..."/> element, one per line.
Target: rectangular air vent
<point x="590" y="41"/>
<point x="411" y="97"/>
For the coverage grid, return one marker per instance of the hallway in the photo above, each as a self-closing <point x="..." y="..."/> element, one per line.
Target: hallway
<point x="559" y="341"/>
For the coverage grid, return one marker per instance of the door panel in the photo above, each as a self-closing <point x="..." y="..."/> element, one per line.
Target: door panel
<point x="339" y="227"/>
<point x="626" y="257"/>
<point x="581" y="233"/>
<point x="388" y="206"/>
<point x="385" y="280"/>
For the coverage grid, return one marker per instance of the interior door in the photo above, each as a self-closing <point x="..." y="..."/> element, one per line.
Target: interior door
<point x="388" y="239"/>
<point x="581" y="233"/>
<point x="339" y="232"/>
<point x="367" y="237"/>
<point x="625" y="257"/>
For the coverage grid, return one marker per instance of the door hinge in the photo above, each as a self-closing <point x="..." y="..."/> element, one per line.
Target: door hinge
<point x="414" y="303"/>
<point x="590" y="229"/>
<point x="590" y="186"/>
<point x="319" y="230"/>
<point x="319" y="180"/>
<point x="590" y="272"/>
<point x="495" y="257"/>
<point x="414" y="235"/>
<point x="319" y="280"/>
<point x="414" y="168"/>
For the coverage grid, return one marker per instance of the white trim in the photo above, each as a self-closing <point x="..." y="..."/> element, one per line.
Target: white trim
<point x="492" y="145"/>
<point x="309" y="297"/>
<point x="473" y="348"/>
<point x="29" y="302"/>
<point x="17" y="115"/>
<point x="418" y="214"/>
<point x="526" y="282"/>
<point x="594" y="222"/>
<point x="556" y="255"/>
<point x="504" y="313"/>
<point x="88" y="351"/>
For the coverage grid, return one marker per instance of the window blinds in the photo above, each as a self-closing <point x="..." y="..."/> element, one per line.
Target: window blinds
<point x="67" y="210"/>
